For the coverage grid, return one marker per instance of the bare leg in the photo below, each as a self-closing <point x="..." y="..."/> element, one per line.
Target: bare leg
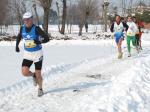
<point x="140" y="43"/>
<point x="119" y="45"/>
<point x="26" y="72"/>
<point x="39" y="78"/>
<point x="119" y="48"/>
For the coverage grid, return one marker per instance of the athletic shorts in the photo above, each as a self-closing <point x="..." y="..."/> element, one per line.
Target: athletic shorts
<point x="28" y="63"/>
<point x="118" y="36"/>
<point x="34" y="56"/>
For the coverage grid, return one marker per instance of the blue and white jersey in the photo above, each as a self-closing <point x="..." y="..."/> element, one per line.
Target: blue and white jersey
<point x="118" y="28"/>
<point x="29" y="37"/>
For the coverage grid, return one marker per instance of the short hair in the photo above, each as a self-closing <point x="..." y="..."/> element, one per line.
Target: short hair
<point x="130" y="16"/>
<point x="118" y="15"/>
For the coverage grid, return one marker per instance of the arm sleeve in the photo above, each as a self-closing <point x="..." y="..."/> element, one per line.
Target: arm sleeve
<point x="42" y="34"/>
<point x="125" y="26"/>
<point x="18" y="39"/>
<point x="112" y="28"/>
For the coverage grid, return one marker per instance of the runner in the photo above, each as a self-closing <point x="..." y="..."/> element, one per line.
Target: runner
<point x="119" y="28"/>
<point x="131" y="34"/>
<point x="32" y="37"/>
<point x="139" y="34"/>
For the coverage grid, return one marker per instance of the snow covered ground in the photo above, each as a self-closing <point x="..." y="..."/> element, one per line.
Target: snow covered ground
<point x="14" y="29"/>
<point x="79" y="76"/>
<point x="55" y="53"/>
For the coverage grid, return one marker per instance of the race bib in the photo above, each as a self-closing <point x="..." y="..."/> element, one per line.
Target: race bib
<point x="29" y="43"/>
<point x="129" y="33"/>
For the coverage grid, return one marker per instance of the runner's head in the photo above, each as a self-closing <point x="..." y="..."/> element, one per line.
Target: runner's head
<point x="129" y="18"/>
<point x="27" y="18"/>
<point x="118" y="18"/>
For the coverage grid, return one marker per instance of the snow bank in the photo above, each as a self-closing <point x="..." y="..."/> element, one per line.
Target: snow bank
<point x="130" y="91"/>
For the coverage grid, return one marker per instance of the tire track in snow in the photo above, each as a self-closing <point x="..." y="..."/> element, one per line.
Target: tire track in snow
<point x="47" y="73"/>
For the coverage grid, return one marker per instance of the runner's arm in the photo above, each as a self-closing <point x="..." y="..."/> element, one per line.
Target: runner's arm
<point x="112" y="28"/>
<point x="18" y="39"/>
<point x="44" y="36"/>
<point x="125" y="26"/>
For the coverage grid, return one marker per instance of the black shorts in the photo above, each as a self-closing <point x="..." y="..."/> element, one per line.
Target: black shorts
<point x="28" y="63"/>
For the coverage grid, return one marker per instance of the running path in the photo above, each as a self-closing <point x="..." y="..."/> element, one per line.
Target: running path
<point x="93" y="85"/>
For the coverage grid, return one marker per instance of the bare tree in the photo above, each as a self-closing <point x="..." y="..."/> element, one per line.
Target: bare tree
<point x="46" y="4"/>
<point x="71" y="15"/>
<point x="86" y="8"/>
<point x="18" y="9"/>
<point x="64" y="16"/>
<point x="62" y="6"/>
<point x="36" y="14"/>
<point x="58" y="11"/>
<point x="3" y="11"/>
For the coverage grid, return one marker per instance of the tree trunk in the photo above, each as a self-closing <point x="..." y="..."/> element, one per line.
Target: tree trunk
<point x="19" y="18"/>
<point x="70" y="27"/>
<point x="1" y="29"/>
<point x="64" y="17"/>
<point x="46" y="16"/>
<point x="58" y="16"/>
<point x="80" y="29"/>
<point x="46" y="4"/>
<point x="36" y="14"/>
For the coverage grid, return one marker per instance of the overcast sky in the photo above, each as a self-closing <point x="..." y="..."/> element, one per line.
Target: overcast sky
<point x="113" y="3"/>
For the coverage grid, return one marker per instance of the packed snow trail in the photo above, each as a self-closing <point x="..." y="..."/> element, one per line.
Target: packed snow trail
<point x="116" y="89"/>
<point x="93" y="85"/>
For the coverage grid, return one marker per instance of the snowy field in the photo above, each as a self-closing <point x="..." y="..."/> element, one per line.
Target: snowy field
<point x="79" y="76"/>
<point x="53" y="29"/>
<point x="55" y="53"/>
